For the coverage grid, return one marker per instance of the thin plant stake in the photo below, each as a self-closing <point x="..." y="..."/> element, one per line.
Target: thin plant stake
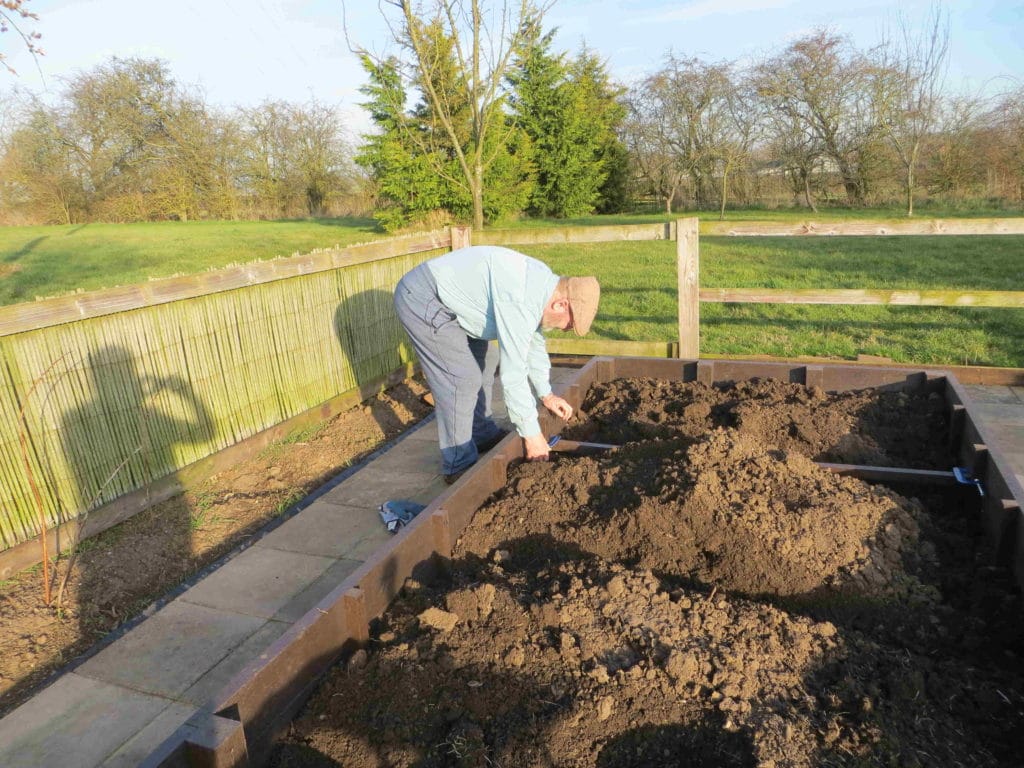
<point x="36" y="495"/>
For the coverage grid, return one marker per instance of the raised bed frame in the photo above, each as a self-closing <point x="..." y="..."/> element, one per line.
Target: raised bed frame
<point x="238" y="727"/>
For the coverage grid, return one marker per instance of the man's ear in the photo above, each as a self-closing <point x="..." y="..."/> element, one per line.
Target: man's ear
<point x="560" y="305"/>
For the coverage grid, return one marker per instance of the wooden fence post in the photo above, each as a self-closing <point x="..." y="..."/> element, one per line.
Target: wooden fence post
<point x="462" y="237"/>
<point x="688" y="271"/>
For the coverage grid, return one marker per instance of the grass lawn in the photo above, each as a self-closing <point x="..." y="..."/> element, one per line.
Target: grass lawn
<point x="639" y="295"/>
<point x="638" y="278"/>
<point x="54" y="260"/>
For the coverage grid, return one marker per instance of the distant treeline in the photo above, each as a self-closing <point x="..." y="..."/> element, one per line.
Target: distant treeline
<point x="125" y="142"/>
<point x="818" y="122"/>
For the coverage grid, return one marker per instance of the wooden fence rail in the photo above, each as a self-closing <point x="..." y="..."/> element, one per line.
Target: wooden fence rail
<point x="690" y="294"/>
<point x="1013" y="226"/>
<point x="902" y="298"/>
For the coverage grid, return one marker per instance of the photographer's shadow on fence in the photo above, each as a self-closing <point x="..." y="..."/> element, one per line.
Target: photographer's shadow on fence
<point x="119" y="439"/>
<point x="372" y="341"/>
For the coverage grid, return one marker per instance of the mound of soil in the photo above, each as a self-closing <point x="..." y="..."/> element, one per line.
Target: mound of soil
<point x="875" y="427"/>
<point x="704" y="595"/>
<point x="725" y="511"/>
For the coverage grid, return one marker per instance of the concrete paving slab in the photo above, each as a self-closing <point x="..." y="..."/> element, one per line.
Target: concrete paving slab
<point x="371" y="487"/>
<point x="1009" y="437"/>
<point x="427" y="432"/>
<point x="327" y="529"/>
<point x="211" y="683"/>
<point x="1016" y="459"/>
<point x="258" y="582"/>
<point x="983" y="394"/>
<point x="171" y="650"/>
<point x="999" y="413"/>
<point x="410" y="456"/>
<point x="149" y="738"/>
<point x="377" y="537"/>
<point x="1018" y="392"/>
<point x="303" y="602"/>
<point x="75" y="723"/>
<point x="428" y="493"/>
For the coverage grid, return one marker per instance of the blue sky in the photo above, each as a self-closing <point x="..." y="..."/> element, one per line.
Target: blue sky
<point x="240" y="52"/>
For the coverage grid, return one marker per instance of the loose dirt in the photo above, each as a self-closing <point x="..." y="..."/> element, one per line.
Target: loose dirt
<point x="704" y="595"/>
<point x="119" y="573"/>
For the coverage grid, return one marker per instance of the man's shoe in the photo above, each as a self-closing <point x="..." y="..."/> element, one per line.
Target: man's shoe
<point x="453" y="478"/>
<point x="486" y="445"/>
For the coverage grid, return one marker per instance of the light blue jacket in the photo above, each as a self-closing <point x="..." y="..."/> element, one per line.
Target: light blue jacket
<point x="500" y="294"/>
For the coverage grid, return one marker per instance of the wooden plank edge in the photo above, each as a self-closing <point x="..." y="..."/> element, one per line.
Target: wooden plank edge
<point x="591" y="234"/>
<point x="579" y="352"/>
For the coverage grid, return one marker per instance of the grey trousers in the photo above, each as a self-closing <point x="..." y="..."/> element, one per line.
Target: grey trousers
<point x="459" y="369"/>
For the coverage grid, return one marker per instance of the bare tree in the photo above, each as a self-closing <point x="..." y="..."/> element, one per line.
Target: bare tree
<point x="822" y="86"/>
<point x="908" y="91"/>
<point x="796" y="151"/>
<point x="1009" y="124"/>
<point x="687" y="113"/>
<point x="295" y="157"/>
<point x="953" y="165"/>
<point x="190" y="172"/>
<point x="457" y="55"/>
<point x="649" y="148"/>
<point x="38" y="168"/>
<point x="322" y="155"/>
<point x="125" y="143"/>
<point x="116" y="121"/>
<point x="735" y="140"/>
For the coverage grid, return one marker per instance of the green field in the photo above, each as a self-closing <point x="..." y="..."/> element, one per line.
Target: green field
<point x="639" y="295"/>
<point x="638" y="279"/>
<point x="38" y="262"/>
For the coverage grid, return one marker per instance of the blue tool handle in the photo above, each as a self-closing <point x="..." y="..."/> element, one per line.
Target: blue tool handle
<point x="964" y="476"/>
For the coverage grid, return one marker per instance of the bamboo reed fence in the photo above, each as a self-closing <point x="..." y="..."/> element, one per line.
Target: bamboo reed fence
<point x="103" y="393"/>
<point x="136" y="384"/>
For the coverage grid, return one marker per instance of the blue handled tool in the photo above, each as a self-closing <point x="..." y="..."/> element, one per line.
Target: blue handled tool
<point x="964" y="476"/>
<point x="960" y="475"/>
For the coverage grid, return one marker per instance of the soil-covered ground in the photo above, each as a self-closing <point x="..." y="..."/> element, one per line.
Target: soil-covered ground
<point x="704" y="595"/>
<point x="117" y="574"/>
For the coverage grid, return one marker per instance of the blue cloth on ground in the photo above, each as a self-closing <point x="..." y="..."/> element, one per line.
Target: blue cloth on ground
<point x="395" y="514"/>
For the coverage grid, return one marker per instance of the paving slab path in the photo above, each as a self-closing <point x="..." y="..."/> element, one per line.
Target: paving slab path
<point x="114" y="707"/>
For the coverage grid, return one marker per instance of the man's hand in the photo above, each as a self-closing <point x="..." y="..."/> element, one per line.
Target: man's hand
<point x="558" y="406"/>
<point x="536" y="447"/>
